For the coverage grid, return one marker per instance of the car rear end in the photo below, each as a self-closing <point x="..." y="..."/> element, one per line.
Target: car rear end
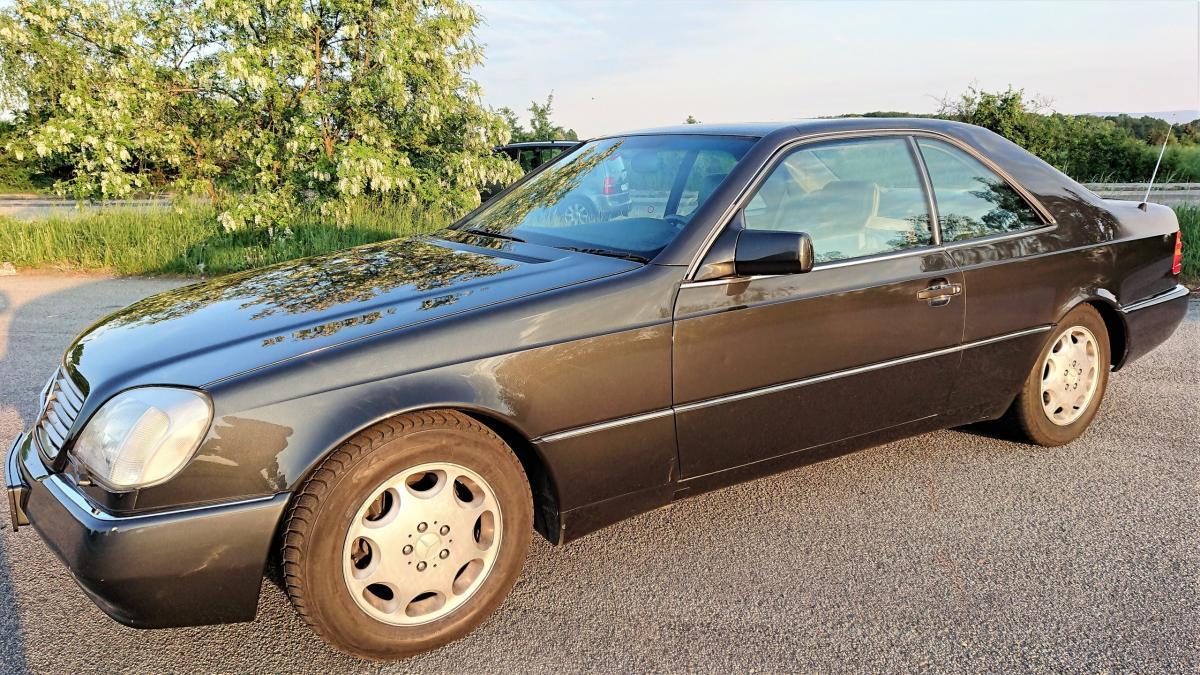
<point x="614" y="198"/>
<point x="1152" y="298"/>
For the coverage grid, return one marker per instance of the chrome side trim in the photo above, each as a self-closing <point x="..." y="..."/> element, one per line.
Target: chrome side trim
<point x="924" y="250"/>
<point x="1175" y="293"/>
<point x="726" y="280"/>
<point x="784" y="386"/>
<point x="66" y="493"/>
<point x="610" y="424"/>
<point x="992" y="238"/>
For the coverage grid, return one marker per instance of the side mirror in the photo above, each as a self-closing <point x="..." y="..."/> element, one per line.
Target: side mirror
<point x="772" y="252"/>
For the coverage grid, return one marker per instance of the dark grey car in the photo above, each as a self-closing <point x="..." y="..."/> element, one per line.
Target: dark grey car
<point x="392" y="421"/>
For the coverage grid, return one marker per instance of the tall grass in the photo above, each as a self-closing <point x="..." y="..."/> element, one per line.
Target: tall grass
<point x="188" y="241"/>
<point x="1189" y="224"/>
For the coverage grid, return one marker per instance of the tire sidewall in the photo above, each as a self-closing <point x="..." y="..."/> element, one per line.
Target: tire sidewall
<point x="1034" y="418"/>
<point x="334" y="610"/>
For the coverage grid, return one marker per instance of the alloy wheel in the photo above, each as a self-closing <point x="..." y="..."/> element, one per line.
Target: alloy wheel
<point x="422" y="544"/>
<point x="1070" y="374"/>
<point x="576" y="213"/>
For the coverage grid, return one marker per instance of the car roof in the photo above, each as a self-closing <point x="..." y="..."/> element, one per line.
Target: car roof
<point x="802" y="127"/>
<point x="539" y="144"/>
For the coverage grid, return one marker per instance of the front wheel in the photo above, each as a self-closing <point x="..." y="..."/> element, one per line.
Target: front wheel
<point x="408" y="536"/>
<point x="1062" y="393"/>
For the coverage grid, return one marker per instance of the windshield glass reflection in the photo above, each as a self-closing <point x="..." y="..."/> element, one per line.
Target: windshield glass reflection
<point x="626" y="197"/>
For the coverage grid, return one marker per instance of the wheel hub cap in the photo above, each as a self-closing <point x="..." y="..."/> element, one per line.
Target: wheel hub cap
<point x="422" y="544"/>
<point x="1070" y="375"/>
<point x="427" y="544"/>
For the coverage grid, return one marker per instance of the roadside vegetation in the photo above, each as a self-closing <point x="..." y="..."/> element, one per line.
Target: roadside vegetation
<point x="269" y="111"/>
<point x="1189" y="224"/>
<point x="186" y="242"/>
<point x="1088" y="148"/>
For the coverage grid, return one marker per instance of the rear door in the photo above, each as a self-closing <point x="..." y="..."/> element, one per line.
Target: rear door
<point x="1002" y="245"/>
<point x="867" y="340"/>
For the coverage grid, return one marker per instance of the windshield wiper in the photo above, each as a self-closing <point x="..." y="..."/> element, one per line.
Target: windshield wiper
<point x="496" y="235"/>
<point x="609" y="253"/>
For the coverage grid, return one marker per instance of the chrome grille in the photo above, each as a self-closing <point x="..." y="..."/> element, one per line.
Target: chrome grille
<point x="61" y="402"/>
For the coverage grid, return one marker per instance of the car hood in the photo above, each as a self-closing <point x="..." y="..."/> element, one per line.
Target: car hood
<point x="208" y="331"/>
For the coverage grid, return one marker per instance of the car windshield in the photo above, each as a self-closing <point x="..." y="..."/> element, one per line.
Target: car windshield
<point x="627" y="197"/>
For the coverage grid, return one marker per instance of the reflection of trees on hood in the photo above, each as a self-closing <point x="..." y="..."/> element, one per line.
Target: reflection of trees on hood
<point x="544" y="190"/>
<point x="354" y="275"/>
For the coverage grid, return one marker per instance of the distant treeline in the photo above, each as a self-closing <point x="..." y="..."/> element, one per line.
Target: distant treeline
<point x="1116" y="148"/>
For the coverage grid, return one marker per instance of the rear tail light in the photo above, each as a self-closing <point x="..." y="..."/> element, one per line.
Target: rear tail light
<point x="1177" y="262"/>
<point x="610" y="185"/>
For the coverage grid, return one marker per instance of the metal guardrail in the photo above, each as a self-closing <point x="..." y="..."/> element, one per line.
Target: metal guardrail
<point x="1169" y="194"/>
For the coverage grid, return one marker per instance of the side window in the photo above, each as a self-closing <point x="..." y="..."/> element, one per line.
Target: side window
<point x="530" y="159"/>
<point x="708" y="171"/>
<point x="972" y="200"/>
<point x="854" y="198"/>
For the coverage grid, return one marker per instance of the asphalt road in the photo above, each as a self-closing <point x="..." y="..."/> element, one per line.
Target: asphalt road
<point x="952" y="551"/>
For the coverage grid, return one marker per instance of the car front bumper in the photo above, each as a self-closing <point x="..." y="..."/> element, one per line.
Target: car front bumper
<point x="180" y="568"/>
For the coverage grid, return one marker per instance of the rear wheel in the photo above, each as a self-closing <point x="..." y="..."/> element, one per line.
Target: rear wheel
<point x="408" y="536"/>
<point x="1062" y="393"/>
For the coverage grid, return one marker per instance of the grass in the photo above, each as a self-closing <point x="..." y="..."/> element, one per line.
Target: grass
<point x="189" y="241"/>
<point x="1189" y="224"/>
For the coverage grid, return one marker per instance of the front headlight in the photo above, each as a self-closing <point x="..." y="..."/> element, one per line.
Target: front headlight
<point x="143" y="436"/>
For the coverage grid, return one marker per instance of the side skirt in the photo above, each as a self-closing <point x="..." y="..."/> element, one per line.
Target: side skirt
<point x="592" y="517"/>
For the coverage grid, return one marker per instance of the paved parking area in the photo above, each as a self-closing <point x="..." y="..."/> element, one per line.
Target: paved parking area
<point x="952" y="551"/>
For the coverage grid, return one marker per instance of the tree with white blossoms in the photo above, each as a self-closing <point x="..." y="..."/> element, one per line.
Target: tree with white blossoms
<point x="264" y="107"/>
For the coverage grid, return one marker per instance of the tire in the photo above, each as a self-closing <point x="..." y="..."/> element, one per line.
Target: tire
<point x="1060" y="396"/>
<point x="577" y="211"/>
<point x="383" y="484"/>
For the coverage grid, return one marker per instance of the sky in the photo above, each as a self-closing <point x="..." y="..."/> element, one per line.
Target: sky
<point x="616" y="65"/>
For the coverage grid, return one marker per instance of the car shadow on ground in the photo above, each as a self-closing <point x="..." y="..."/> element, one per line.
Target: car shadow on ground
<point x="11" y="650"/>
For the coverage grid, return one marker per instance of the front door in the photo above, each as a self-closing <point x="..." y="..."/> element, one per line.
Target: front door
<point x="766" y="366"/>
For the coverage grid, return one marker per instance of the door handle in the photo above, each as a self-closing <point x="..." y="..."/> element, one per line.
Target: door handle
<point x="940" y="293"/>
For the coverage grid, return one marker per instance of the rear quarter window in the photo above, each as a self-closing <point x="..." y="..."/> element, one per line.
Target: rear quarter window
<point x="973" y="201"/>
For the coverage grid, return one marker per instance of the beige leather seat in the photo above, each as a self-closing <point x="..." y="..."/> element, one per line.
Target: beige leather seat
<point x="835" y="216"/>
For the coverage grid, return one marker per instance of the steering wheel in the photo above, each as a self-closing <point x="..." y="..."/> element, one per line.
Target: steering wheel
<point x="676" y="220"/>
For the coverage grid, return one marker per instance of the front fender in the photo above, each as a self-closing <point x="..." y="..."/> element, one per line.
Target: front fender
<point x="541" y="367"/>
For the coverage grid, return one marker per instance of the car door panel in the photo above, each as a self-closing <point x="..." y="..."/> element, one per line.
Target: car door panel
<point x="773" y="365"/>
<point x="868" y="340"/>
<point x="1009" y="255"/>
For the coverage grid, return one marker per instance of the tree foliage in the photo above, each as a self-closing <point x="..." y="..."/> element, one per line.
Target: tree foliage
<point x="265" y="106"/>
<point x="1086" y="147"/>
<point x="541" y="126"/>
